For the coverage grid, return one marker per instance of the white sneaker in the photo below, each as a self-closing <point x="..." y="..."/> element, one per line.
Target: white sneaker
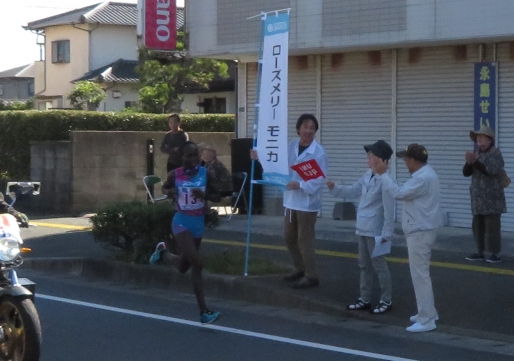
<point x="418" y="327"/>
<point x="415" y="318"/>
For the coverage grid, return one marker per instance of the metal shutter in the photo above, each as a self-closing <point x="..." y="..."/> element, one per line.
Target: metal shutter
<point x="355" y="110"/>
<point x="435" y="108"/>
<point x="506" y="125"/>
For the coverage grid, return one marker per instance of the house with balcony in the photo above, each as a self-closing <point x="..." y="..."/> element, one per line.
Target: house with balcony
<point x="99" y="43"/>
<point x="398" y="70"/>
<point x="78" y="42"/>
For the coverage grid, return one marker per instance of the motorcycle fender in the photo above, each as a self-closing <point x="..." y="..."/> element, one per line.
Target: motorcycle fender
<point x="15" y="291"/>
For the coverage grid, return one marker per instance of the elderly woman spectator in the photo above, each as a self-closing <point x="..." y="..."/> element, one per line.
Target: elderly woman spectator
<point x="217" y="169"/>
<point x="485" y="167"/>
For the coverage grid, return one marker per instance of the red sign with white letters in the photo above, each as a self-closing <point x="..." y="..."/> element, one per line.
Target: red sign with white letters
<point x="308" y="170"/>
<point x="160" y="28"/>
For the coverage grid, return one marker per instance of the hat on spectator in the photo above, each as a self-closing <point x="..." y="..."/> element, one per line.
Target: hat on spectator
<point x="415" y="151"/>
<point x="380" y="148"/>
<point x="484" y="131"/>
<point x="206" y="146"/>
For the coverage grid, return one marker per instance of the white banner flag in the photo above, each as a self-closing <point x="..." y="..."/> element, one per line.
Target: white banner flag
<point x="272" y="103"/>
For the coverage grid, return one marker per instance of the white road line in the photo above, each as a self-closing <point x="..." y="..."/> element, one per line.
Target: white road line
<point x="227" y="329"/>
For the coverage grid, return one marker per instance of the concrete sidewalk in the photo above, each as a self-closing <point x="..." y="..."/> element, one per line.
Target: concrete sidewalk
<point x="472" y="299"/>
<point x="448" y="239"/>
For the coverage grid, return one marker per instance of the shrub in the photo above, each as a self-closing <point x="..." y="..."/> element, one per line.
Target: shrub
<point x="19" y="128"/>
<point x="133" y="229"/>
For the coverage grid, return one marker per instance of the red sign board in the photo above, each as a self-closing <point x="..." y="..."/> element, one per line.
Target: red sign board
<point x="160" y="29"/>
<point x="308" y="170"/>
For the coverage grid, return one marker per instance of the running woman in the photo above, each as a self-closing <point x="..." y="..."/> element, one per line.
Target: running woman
<point x="191" y="187"/>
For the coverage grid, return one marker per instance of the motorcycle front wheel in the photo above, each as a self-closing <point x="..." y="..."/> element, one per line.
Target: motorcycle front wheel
<point x="21" y="329"/>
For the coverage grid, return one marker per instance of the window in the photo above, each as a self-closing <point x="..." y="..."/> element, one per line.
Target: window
<point x="214" y="105"/>
<point x="1" y="90"/>
<point x="31" y="88"/>
<point x="131" y="104"/>
<point x="61" y="51"/>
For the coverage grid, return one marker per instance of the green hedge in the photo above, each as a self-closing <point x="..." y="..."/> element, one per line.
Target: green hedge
<point x="19" y="128"/>
<point x="133" y="229"/>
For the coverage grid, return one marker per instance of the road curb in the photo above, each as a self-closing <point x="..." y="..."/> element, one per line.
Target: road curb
<point x="251" y="289"/>
<point x="233" y="287"/>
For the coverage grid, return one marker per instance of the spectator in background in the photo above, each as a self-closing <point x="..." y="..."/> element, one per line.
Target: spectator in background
<point x="216" y="168"/>
<point x="487" y="194"/>
<point x="172" y="142"/>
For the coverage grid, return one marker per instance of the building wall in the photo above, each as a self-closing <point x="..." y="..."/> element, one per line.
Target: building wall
<point x="16" y="88"/>
<point x="102" y="39"/>
<point x="221" y="28"/>
<point x="126" y="93"/>
<point x="59" y="75"/>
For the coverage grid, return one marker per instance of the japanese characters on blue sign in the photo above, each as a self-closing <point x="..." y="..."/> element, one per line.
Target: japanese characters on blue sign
<point x="485" y="95"/>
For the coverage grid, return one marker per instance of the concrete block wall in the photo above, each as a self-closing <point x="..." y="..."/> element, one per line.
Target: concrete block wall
<point x="108" y="167"/>
<point x="50" y="164"/>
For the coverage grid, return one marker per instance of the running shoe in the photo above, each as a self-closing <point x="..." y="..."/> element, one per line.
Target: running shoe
<point x="156" y="256"/>
<point x="209" y="316"/>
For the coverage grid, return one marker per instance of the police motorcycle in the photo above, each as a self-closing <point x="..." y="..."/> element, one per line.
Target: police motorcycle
<point x="20" y="328"/>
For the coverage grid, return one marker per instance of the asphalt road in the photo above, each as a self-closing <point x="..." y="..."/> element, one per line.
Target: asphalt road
<point x="474" y="302"/>
<point x="92" y="320"/>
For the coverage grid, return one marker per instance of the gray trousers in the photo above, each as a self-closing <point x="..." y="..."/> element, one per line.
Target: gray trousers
<point x="487" y="232"/>
<point x="300" y="236"/>
<point x="367" y="265"/>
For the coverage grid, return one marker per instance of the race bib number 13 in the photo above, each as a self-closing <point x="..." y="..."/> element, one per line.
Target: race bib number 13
<point x="186" y="199"/>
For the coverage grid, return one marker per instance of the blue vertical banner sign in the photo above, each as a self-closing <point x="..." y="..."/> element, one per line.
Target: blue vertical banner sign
<point x="271" y="142"/>
<point x="270" y="125"/>
<point x="485" y="94"/>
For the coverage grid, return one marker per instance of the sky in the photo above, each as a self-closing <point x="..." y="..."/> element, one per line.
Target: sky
<point x="18" y="46"/>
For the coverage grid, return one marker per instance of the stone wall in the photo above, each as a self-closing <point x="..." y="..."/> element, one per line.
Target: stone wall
<point x="97" y="168"/>
<point x="50" y="164"/>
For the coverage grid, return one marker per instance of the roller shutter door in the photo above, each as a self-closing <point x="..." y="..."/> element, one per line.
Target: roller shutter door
<point x="435" y="108"/>
<point x="506" y="125"/>
<point x="355" y="110"/>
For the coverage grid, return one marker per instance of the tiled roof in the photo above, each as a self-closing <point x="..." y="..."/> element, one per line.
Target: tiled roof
<point x="109" y="13"/>
<point x="120" y="71"/>
<point x="25" y="71"/>
<point x="112" y="13"/>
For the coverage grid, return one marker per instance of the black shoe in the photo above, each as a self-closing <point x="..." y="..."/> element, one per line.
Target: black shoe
<point x="382" y="307"/>
<point x="475" y="257"/>
<point x="294" y="276"/>
<point x="359" y="305"/>
<point x="306" y="282"/>
<point x="494" y="258"/>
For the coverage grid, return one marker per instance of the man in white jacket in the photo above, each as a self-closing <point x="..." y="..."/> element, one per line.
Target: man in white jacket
<point x="302" y="202"/>
<point x="375" y="225"/>
<point x="421" y="217"/>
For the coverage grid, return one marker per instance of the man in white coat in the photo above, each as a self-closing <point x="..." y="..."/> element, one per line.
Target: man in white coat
<point x="420" y="219"/>
<point x="302" y="202"/>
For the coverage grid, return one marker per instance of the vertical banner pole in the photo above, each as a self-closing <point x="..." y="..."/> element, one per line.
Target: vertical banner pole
<point x="254" y="144"/>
